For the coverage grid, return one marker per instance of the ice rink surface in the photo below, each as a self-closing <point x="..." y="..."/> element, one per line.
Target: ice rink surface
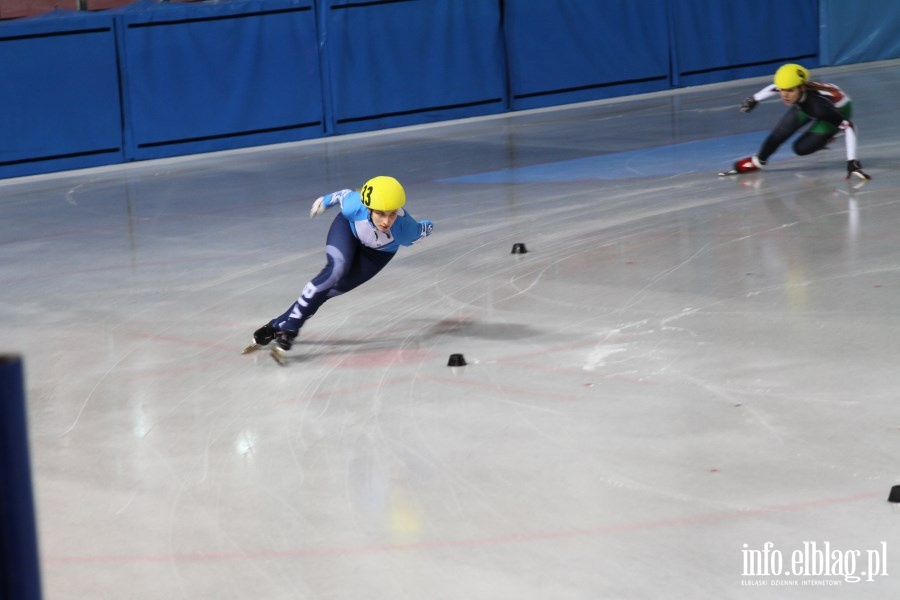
<point x="681" y="370"/>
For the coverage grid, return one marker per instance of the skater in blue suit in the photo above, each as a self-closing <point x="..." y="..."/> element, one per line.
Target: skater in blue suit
<point x="363" y="238"/>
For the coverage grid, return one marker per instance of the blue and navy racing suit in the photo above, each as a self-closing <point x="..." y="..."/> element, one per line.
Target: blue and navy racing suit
<point x="355" y="250"/>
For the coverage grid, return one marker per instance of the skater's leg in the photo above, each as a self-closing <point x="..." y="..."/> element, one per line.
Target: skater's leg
<point x="811" y="142"/>
<point x="787" y="126"/>
<point x="792" y="120"/>
<point x="367" y="264"/>
<point x="340" y="251"/>
<point x="819" y="134"/>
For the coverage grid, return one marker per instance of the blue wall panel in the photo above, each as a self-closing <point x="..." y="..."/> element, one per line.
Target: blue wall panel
<point x="716" y="41"/>
<point x="212" y="77"/>
<point x="162" y="79"/>
<point x="403" y="62"/>
<point x="563" y="51"/>
<point x="849" y="35"/>
<point x="59" y="94"/>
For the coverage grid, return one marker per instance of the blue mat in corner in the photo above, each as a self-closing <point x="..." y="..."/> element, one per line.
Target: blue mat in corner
<point x="713" y="155"/>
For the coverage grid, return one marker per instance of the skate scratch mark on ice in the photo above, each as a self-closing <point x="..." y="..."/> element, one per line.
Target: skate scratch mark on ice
<point x="685" y="312"/>
<point x="91" y="394"/>
<point x="251" y="270"/>
<point x="206" y="448"/>
<point x="597" y="357"/>
<point x="781" y="286"/>
<point x="70" y="195"/>
<point x="127" y="504"/>
<point x="623" y="482"/>
<point x="530" y="422"/>
<point x="536" y="278"/>
<point x="642" y="293"/>
<point x="508" y="390"/>
<point x="765" y="232"/>
<point x="460" y="292"/>
<point x="458" y="485"/>
<point x="721" y="393"/>
<point x="316" y="553"/>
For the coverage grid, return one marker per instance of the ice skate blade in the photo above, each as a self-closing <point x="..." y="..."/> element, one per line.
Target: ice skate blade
<point x="279" y="356"/>
<point x="251" y="348"/>
<point x="858" y="181"/>
<point x="728" y="173"/>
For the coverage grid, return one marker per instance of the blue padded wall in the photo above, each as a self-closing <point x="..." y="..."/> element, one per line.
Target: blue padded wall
<point x="210" y="77"/>
<point x="403" y="62"/>
<point x="563" y="51"/>
<point x="716" y="41"/>
<point x="849" y="35"/>
<point x="59" y="94"/>
<point x="157" y="79"/>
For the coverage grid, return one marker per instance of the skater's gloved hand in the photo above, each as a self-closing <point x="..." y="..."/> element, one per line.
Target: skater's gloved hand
<point x="425" y="228"/>
<point x="854" y="168"/>
<point x="318" y="207"/>
<point x="749" y="104"/>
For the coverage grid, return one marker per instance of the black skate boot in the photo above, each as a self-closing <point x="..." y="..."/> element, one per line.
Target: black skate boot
<point x="264" y="335"/>
<point x="261" y="337"/>
<point x="284" y="341"/>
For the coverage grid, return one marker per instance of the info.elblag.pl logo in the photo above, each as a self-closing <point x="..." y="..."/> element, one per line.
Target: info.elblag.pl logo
<point x="813" y="564"/>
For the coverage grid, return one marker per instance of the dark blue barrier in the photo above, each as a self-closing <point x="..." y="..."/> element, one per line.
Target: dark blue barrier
<point x="716" y="41"/>
<point x="59" y="94"/>
<point x="564" y="51"/>
<point x="221" y="75"/>
<point x="402" y="62"/>
<point x="19" y="569"/>
<point x="854" y="32"/>
<point x="199" y="78"/>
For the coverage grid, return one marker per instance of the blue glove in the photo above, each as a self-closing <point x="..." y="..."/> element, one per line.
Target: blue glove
<point x="425" y="228"/>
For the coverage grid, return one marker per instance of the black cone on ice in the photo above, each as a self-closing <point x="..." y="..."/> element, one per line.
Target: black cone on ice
<point x="456" y="360"/>
<point x="895" y="494"/>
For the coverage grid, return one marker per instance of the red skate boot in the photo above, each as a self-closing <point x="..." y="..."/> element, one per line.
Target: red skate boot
<point x="745" y="165"/>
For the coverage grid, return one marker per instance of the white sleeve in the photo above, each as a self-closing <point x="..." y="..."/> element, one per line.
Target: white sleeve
<point x="770" y="91"/>
<point x="849" y="139"/>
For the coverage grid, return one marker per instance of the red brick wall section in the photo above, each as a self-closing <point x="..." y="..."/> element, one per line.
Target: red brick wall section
<point x="13" y="9"/>
<point x="104" y="4"/>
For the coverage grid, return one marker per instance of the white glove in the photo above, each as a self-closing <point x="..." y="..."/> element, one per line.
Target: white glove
<point x="425" y="228"/>
<point x="318" y="207"/>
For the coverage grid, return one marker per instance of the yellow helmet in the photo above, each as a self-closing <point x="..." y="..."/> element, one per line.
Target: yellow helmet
<point x="790" y="76"/>
<point x="383" y="193"/>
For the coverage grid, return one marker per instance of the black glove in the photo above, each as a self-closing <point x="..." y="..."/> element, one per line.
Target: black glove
<point x="749" y="104"/>
<point x="854" y="168"/>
